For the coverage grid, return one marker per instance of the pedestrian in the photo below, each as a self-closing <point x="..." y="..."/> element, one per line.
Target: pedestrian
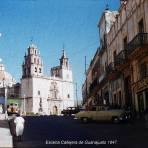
<point x="19" y="124"/>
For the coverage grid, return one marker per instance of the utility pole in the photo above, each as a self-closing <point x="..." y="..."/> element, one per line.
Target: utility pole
<point x="76" y="94"/>
<point x="6" y="115"/>
<point x="5" y="95"/>
<point x="86" y="81"/>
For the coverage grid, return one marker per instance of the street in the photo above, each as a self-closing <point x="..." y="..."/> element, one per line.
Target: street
<point x="54" y="131"/>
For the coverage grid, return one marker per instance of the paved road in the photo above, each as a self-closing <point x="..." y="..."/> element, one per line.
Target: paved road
<point x="66" y="132"/>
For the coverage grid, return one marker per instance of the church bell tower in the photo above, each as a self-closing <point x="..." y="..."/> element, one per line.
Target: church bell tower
<point x="64" y="63"/>
<point x="32" y="65"/>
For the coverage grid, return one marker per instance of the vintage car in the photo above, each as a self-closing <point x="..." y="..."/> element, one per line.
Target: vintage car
<point x="70" y="111"/>
<point x="101" y="113"/>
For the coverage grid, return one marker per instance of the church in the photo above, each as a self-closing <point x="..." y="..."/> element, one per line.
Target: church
<point x="45" y="94"/>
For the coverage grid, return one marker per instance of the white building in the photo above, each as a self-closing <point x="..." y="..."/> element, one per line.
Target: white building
<point x="49" y="94"/>
<point x="5" y="78"/>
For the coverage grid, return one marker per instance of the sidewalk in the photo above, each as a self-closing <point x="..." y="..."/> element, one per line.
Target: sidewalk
<point x="6" y="139"/>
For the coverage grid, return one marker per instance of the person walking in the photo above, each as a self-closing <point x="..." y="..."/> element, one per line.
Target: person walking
<point x="19" y="124"/>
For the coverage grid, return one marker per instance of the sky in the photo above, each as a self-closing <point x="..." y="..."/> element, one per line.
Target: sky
<point x="50" y="24"/>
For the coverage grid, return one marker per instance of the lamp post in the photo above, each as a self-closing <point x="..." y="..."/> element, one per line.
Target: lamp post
<point x="6" y="90"/>
<point x="5" y="95"/>
<point x="76" y="94"/>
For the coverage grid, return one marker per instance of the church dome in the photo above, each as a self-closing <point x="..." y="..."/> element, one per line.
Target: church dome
<point x="5" y="77"/>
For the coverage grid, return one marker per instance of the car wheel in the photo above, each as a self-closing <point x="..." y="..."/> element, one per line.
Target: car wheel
<point x="84" y="120"/>
<point x="115" y="120"/>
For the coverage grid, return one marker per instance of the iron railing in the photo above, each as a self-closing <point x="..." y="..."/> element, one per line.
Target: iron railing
<point x="139" y="40"/>
<point x="93" y="85"/>
<point x="110" y="68"/>
<point x="121" y="58"/>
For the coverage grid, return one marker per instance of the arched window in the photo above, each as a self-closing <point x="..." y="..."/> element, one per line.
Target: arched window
<point x="35" y="69"/>
<point x="54" y="90"/>
<point x="40" y="70"/>
<point x="38" y="61"/>
<point x="68" y="96"/>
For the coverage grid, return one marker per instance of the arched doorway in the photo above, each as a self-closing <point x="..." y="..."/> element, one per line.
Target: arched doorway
<point x="55" y="110"/>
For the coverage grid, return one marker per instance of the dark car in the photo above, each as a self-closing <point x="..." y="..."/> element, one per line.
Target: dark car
<point x="13" y="114"/>
<point x="70" y="111"/>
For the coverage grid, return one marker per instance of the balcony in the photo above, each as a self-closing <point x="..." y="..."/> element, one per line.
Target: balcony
<point x="140" y="40"/>
<point x="121" y="58"/>
<point x="110" y="68"/>
<point x="112" y="73"/>
<point x="93" y="86"/>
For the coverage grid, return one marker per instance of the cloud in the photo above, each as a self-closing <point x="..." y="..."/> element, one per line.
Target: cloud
<point x="0" y="34"/>
<point x="0" y="60"/>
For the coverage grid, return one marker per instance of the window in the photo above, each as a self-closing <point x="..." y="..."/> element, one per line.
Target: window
<point x="114" y="55"/>
<point x="68" y="96"/>
<point x="35" y="60"/>
<point x="125" y="43"/>
<point x="35" y="69"/>
<point x="54" y="90"/>
<point x="141" y="26"/>
<point x="39" y="92"/>
<point x="40" y="70"/>
<point x="38" y="61"/>
<point x="143" y="70"/>
<point x="115" y="99"/>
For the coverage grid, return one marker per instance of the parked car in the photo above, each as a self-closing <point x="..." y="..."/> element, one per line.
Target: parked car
<point x="102" y="113"/>
<point x="70" y="110"/>
<point x="13" y="114"/>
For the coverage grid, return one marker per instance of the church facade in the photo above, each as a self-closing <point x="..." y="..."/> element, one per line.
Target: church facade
<point x="45" y="94"/>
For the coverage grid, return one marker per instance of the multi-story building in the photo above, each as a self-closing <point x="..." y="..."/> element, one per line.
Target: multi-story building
<point x="130" y="31"/>
<point x="98" y="82"/>
<point x="123" y="56"/>
<point x="48" y="94"/>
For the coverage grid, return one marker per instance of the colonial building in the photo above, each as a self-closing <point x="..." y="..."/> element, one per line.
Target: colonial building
<point x="97" y="78"/>
<point x="48" y="94"/>
<point x="128" y="53"/>
<point x="123" y="56"/>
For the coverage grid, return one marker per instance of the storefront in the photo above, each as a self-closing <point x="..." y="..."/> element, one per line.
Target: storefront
<point x="141" y="95"/>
